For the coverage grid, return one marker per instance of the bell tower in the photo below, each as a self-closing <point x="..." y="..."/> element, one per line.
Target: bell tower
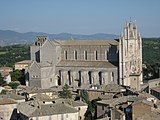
<point x="130" y="57"/>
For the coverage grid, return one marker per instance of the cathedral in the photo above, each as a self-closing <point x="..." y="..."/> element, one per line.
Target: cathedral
<point x="87" y="62"/>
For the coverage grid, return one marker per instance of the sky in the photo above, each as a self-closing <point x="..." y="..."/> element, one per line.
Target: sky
<point x="80" y="16"/>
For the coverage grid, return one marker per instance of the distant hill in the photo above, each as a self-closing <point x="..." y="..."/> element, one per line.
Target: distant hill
<point x="8" y="37"/>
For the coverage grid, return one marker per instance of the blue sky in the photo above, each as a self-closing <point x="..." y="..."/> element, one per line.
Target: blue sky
<point x="80" y="16"/>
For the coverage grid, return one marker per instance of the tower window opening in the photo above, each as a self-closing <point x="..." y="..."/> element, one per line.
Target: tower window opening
<point x="65" y="55"/>
<point x="85" y="55"/>
<point x="96" y="55"/>
<point x="75" y="55"/>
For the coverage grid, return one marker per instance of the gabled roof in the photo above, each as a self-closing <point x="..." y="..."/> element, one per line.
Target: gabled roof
<point x="114" y="88"/>
<point x="13" y="96"/>
<point x="30" y="109"/>
<point x="24" y="62"/>
<point x="5" y="101"/>
<point x="41" y="65"/>
<point x="42" y="97"/>
<point x="71" y="102"/>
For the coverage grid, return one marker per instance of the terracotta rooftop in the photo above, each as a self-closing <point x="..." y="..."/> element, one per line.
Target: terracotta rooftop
<point x="114" y="88"/>
<point x="24" y="62"/>
<point x="32" y="109"/>
<point x="37" y="90"/>
<point x="71" y="102"/>
<point x="4" y="101"/>
<point x="13" y="96"/>
<point x="42" y="97"/>
<point x="6" y="68"/>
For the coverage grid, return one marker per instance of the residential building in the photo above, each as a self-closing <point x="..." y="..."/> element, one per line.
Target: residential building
<point x="134" y="107"/>
<point x="57" y="111"/>
<point x="22" y="64"/>
<point x="8" y="109"/>
<point x="15" y="97"/>
<point x="154" y="87"/>
<point x="5" y="69"/>
<point x="5" y="72"/>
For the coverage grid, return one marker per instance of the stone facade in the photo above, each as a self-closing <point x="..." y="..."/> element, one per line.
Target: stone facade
<point x="33" y="110"/>
<point x="130" y="57"/>
<point x="8" y="109"/>
<point x="139" y="109"/>
<point x="87" y="62"/>
<point x="75" y="62"/>
<point x="154" y="87"/>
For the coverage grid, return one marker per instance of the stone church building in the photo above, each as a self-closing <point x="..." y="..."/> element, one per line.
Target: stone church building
<point x="87" y="62"/>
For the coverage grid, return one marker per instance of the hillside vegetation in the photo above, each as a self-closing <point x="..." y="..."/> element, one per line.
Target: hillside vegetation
<point x="11" y="54"/>
<point x="151" y="50"/>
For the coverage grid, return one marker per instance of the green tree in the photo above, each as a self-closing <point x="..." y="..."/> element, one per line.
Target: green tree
<point x="90" y="113"/>
<point x="13" y="84"/>
<point x="14" y="53"/>
<point x="3" y="92"/>
<point x="91" y="109"/>
<point x="2" y="82"/>
<point x="66" y="93"/>
<point x="18" y="75"/>
<point x="84" y="96"/>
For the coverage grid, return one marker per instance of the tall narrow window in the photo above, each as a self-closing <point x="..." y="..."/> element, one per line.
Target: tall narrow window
<point x="100" y="78"/>
<point x="112" y="76"/>
<point x="65" y="55"/>
<point x="59" y="77"/>
<point x="85" y="55"/>
<point x="69" y="77"/>
<point x="79" y="82"/>
<point x="95" y="55"/>
<point x="75" y="55"/>
<point x="106" y="54"/>
<point x="90" y="77"/>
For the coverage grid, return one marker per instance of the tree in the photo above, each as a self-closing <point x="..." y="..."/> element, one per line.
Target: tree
<point x="84" y="96"/>
<point x="18" y="75"/>
<point x="66" y="93"/>
<point x="13" y="84"/>
<point x="90" y="113"/>
<point x="2" y="82"/>
<point x="3" y="92"/>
